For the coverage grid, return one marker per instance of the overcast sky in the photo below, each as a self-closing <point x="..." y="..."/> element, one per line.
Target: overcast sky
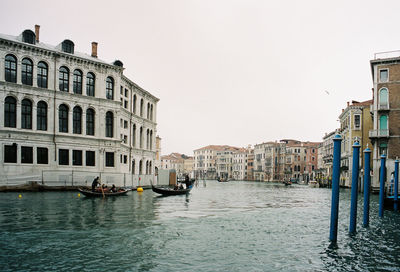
<point x="228" y="72"/>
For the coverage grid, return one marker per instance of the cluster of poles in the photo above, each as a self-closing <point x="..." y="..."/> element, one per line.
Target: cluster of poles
<point x="354" y="188"/>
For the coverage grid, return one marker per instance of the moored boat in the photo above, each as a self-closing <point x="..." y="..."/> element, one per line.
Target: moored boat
<point x="90" y="193"/>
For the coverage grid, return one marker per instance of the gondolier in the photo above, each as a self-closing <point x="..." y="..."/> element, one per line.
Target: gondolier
<point x="95" y="183"/>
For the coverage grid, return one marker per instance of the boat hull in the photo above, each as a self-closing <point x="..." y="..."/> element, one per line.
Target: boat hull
<point x="170" y="191"/>
<point x="89" y="193"/>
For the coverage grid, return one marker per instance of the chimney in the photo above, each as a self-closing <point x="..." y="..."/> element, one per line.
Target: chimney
<point x="94" y="49"/>
<point x="37" y="28"/>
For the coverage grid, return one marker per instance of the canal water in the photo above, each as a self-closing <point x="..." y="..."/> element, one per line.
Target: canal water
<point x="234" y="226"/>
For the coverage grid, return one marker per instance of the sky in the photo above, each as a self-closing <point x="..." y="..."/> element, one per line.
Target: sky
<point x="234" y="72"/>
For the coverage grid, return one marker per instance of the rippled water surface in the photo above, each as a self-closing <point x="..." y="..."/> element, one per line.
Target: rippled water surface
<point x="235" y="226"/>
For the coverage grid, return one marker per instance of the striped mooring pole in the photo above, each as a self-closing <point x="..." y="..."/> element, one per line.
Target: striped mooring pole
<point x="354" y="187"/>
<point x="337" y="140"/>
<point x="367" y="178"/>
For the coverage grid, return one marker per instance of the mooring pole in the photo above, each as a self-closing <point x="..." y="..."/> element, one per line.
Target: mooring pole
<point x="367" y="177"/>
<point x="354" y="187"/>
<point x="396" y="184"/>
<point x="337" y="140"/>
<point x="382" y="185"/>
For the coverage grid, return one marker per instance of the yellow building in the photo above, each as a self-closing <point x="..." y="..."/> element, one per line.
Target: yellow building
<point x="355" y="123"/>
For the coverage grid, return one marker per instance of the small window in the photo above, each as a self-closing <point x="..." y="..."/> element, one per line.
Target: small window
<point x="67" y="46"/>
<point x="26" y="114"/>
<point x="125" y="159"/>
<point x="63" y="79"/>
<point x="26" y="154"/>
<point x="41" y="116"/>
<point x="42" y="155"/>
<point x="63" y="157"/>
<point x="125" y="124"/>
<point x="42" y="75"/>
<point x="10" y="153"/>
<point x="77" y="120"/>
<point x="28" y="36"/>
<point x="10" y="112"/>
<point x="126" y="92"/>
<point x="10" y="68"/>
<point x="90" y="82"/>
<point x="90" y="122"/>
<point x="125" y="104"/>
<point x="109" y="124"/>
<point x="357" y="123"/>
<point x="109" y="159"/>
<point x="90" y="158"/>
<point x="27" y="71"/>
<point x="76" y="157"/>
<point x="110" y="88"/>
<point x="63" y="118"/>
<point x="383" y="75"/>
<point x="77" y="83"/>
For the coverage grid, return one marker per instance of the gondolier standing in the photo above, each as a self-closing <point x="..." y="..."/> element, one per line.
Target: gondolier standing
<point x="95" y="183"/>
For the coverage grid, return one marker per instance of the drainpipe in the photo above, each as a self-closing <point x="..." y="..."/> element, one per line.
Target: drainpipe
<point x="54" y="108"/>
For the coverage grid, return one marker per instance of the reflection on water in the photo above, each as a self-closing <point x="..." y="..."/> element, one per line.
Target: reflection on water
<point x="235" y="226"/>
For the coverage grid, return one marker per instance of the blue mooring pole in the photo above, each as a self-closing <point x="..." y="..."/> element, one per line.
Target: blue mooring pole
<point x="396" y="184"/>
<point x="337" y="140"/>
<point x="354" y="187"/>
<point x="367" y="178"/>
<point x="382" y="185"/>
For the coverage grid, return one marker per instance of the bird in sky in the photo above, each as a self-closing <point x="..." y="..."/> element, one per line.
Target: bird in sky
<point x="327" y="92"/>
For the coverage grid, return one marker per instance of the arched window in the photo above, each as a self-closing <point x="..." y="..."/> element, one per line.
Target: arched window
<point x="151" y="140"/>
<point x="110" y="88"/>
<point x="90" y="81"/>
<point x="67" y="46"/>
<point x="383" y="97"/>
<point x="90" y="122"/>
<point x="134" y="104"/>
<point x="140" y="167"/>
<point x="148" y="110"/>
<point x="133" y="166"/>
<point x="150" y="168"/>
<point x="151" y="112"/>
<point x="26" y="114"/>
<point x="77" y="120"/>
<point x="383" y="123"/>
<point x="63" y="118"/>
<point x="42" y="75"/>
<point x="147" y="167"/>
<point x="109" y="124"/>
<point x="27" y="71"/>
<point x="147" y="138"/>
<point x="28" y="36"/>
<point x="141" y="107"/>
<point x="134" y="135"/>
<point x="10" y="68"/>
<point x="41" y="116"/>
<point x="10" y="112"/>
<point x="77" y="84"/>
<point x="63" y="79"/>
<point x="141" y="137"/>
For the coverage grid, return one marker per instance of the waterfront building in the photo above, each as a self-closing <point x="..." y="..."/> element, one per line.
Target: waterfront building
<point x="212" y="161"/>
<point x="181" y="163"/>
<point x="385" y="68"/>
<point x="240" y="164"/>
<point x="250" y="165"/>
<point x="327" y="155"/>
<point x="355" y="123"/>
<point x="158" y="153"/>
<point x="69" y="116"/>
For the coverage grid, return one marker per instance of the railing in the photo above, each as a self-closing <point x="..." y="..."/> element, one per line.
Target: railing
<point x="387" y="54"/>
<point x="377" y="133"/>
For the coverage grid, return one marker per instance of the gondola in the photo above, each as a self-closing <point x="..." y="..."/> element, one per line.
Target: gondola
<point x="168" y="191"/>
<point x="89" y="193"/>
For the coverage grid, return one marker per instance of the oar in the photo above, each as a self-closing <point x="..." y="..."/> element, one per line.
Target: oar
<point x="102" y="191"/>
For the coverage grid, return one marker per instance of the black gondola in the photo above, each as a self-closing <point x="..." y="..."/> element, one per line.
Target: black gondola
<point x="90" y="193"/>
<point x="168" y="191"/>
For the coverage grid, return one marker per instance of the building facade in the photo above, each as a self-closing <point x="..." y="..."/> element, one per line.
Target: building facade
<point x="385" y="68"/>
<point x="71" y="113"/>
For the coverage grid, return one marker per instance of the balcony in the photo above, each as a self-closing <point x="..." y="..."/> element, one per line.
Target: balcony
<point x="383" y="107"/>
<point x="379" y="133"/>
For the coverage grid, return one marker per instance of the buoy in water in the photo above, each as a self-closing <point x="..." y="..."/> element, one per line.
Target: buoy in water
<point x="19" y="196"/>
<point x="139" y="189"/>
<point x="79" y="195"/>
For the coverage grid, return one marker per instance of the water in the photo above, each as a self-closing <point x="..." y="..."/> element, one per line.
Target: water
<point x="235" y="226"/>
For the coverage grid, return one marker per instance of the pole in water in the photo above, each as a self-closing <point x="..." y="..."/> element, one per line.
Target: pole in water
<point x="382" y="185"/>
<point x="337" y="140"/>
<point x="367" y="178"/>
<point x="396" y="184"/>
<point x="354" y="187"/>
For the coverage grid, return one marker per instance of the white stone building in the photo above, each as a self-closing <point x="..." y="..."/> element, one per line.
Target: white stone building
<point x="69" y="116"/>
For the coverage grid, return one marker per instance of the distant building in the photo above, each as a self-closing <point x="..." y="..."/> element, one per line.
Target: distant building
<point x="385" y="68"/>
<point x="241" y="164"/>
<point x="181" y="163"/>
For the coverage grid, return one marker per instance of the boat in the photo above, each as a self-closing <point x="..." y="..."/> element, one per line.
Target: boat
<point x="89" y="193"/>
<point x="287" y="183"/>
<point x="168" y="191"/>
